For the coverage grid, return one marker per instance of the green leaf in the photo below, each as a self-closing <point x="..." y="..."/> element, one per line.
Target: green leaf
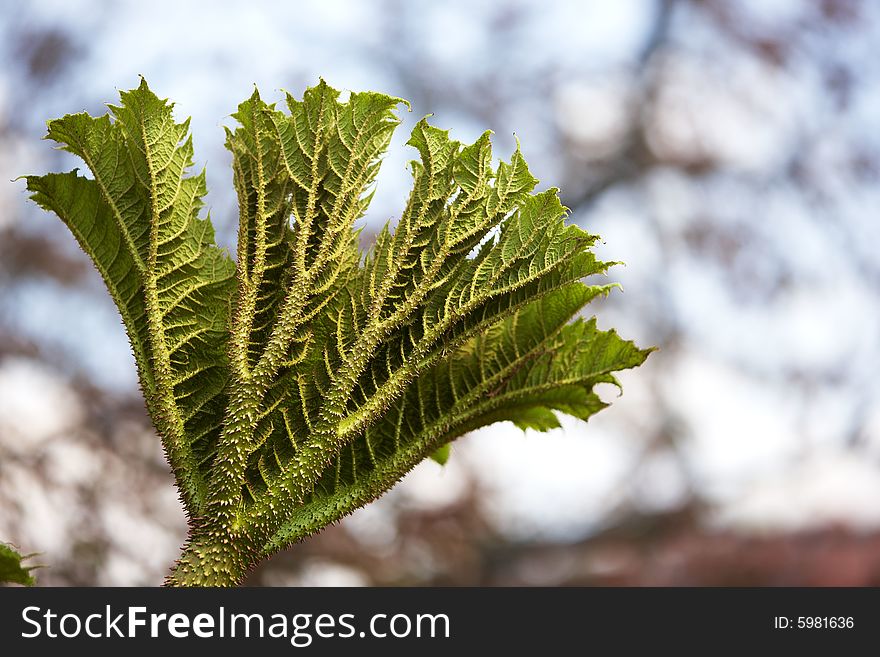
<point x="523" y="369"/>
<point x="137" y="218"/>
<point x="538" y="418"/>
<point x="316" y="378"/>
<point x="441" y="454"/>
<point x="11" y="569"/>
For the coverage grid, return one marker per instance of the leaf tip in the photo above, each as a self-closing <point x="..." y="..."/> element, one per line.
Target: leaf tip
<point x="441" y="454"/>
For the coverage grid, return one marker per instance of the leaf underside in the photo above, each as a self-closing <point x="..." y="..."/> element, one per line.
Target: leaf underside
<point x="302" y="379"/>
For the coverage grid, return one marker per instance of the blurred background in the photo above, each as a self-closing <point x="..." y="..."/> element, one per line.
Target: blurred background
<point x="727" y="151"/>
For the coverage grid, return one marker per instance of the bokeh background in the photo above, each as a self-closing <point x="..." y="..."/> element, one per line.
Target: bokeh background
<point x="727" y="151"/>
